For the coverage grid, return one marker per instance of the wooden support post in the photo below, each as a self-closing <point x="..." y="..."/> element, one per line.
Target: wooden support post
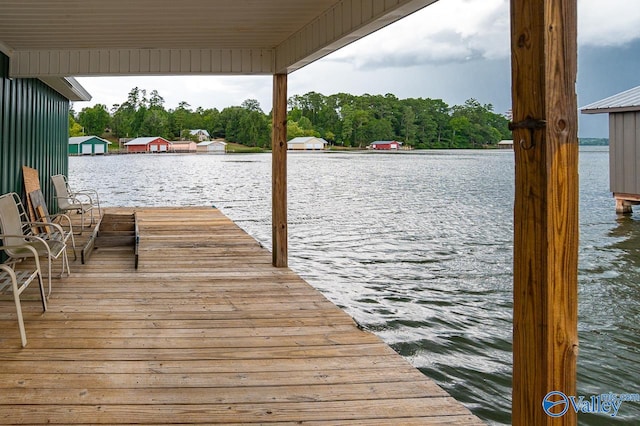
<point x="623" y="206"/>
<point x="279" y="171"/>
<point x="545" y="332"/>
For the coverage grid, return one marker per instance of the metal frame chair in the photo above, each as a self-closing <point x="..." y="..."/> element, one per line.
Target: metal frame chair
<point x="81" y="201"/>
<point x="18" y="237"/>
<point x="41" y="213"/>
<point x="18" y="281"/>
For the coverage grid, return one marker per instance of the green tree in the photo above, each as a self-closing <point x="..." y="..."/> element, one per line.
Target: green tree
<point x="409" y="125"/>
<point x="179" y="120"/>
<point x="211" y="122"/>
<point x="155" y="123"/>
<point x="75" y="129"/>
<point x="230" y="123"/>
<point x="253" y="129"/>
<point x="94" y="119"/>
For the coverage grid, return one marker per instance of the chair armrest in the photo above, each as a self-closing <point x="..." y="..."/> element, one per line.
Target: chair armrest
<point x="63" y="216"/>
<point x="94" y="197"/>
<point x="28" y="247"/>
<point x="71" y="199"/>
<point x="82" y="194"/>
<point x="45" y="224"/>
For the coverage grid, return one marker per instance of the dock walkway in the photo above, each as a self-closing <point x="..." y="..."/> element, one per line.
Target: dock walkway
<point x="205" y="331"/>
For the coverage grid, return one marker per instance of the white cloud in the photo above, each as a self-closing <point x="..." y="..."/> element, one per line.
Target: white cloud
<point x="451" y="31"/>
<point x="447" y="31"/>
<point x="608" y="22"/>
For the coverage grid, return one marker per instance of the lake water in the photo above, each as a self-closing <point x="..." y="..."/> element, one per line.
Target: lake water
<point x="418" y="248"/>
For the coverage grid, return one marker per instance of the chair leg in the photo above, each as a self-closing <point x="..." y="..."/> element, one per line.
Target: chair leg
<point x="73" y="245"/>
<point x="65" y="260"/>
<point x="44" y="299"/>
<point x="49" y="275"/>
<point x="16" y="298"/>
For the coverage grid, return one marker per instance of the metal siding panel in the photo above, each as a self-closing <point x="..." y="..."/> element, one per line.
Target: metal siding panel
<point x="175" y="60"/>
<point x="83" y="60"/>
<point x="165" y="60"/>
<point x="134" y="60"/>
<point x="236" y="61"/>
<point x="256" y="61"/>
<point x="74" y="62"/>
<point x="225" y="61"/>
<point x="612" y="153"/>
<point x="33" y="132"/>
<point x="356" y="13"/>
<point x="34" y="63"/>
<point x="185" y="61"/>
<point x="65" y="63"/>
<point x="245" y="61"/>
<point x="54" y="63"/>
<point x="194" y="60"/>
<point x="206" y="62"/>
<point x="94" y="61"/>
<point x="620" y="152"/>
<point x="629" y="153"/>
<point x="330" y="26"/>
<point x="346" y="15"/>
<point x="154" y="61"/>
<point x="145" y="61"/>
<point x="218" y="58"/>
<point x="636" y="116"/>
<point x="268" y="60"/>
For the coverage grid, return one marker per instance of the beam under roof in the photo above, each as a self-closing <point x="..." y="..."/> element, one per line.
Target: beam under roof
<point x="156" y="37"/>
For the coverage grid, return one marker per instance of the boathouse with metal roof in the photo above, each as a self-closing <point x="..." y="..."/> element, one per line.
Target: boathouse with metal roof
<point x="624" y="145"/>
<point x="88" y="145"/>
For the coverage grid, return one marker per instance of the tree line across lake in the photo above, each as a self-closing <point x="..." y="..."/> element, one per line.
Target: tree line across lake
<point x="342" y="119"/>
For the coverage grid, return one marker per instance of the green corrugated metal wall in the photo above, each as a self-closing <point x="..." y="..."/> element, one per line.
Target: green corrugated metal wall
<point x="34" y="131"/>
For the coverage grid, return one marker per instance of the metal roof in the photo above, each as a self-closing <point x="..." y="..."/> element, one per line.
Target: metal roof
<point x="145" y="140"/>
<point x="307" y="139"/>
<point x="195" y="132"/>
<point x="77" y="140"/>
<point x="214" y="142"/>
<point x="62" y="38"/>
<point x="627" y="101"/>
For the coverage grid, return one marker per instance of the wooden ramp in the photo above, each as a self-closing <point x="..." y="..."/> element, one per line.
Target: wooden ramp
<point x="205" y="331"/>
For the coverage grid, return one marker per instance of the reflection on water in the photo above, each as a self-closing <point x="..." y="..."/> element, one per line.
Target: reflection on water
<point x="417" y="247"/>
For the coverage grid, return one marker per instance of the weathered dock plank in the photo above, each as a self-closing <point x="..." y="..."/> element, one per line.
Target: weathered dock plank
<point x="205" y="331"/>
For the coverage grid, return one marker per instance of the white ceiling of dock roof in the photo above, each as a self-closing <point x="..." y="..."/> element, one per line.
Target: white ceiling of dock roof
<point x="61" y="38"/>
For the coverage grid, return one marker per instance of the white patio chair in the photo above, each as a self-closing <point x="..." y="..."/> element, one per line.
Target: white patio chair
<point x="17" y="281"/>
<point x="81" y="201"/>
<point x="42" y="215"/>
<point x="17" y="235"/>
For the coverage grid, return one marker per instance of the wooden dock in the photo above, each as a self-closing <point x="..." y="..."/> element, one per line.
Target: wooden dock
<point x="205" y="331"/>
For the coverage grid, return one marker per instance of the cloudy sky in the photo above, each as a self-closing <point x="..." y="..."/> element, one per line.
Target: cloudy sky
<point x="452" y="50"/>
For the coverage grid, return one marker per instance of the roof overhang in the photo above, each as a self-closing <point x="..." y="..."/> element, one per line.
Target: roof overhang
<point x="67" y="87"/>
<point x="627" y="101"/>
<point x="65" y="38"/>
<point x="610" y="110"/>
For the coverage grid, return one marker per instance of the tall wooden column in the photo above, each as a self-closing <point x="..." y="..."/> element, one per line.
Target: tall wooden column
<point x="279" y="171"/>
<point x="545" y="341"/>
